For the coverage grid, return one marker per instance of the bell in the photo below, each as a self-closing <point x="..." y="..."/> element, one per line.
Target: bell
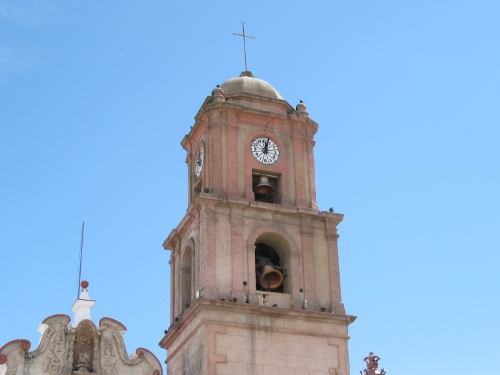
<point x="263" y="187"/>
<point x="270" y="278"/>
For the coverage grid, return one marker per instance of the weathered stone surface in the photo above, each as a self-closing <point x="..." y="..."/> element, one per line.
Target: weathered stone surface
<point x="83" y="349"/>
<point x="220" y="337"/>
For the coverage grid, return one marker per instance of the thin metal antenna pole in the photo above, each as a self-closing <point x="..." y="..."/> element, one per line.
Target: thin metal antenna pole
<point x="81" y="258"/>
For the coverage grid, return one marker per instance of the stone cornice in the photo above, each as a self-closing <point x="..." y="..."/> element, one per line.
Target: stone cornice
<point x="332" y="217"/>
<point x="200" y="304"/>
<point x="237" y="102"/>
<point x="209" y="199"/>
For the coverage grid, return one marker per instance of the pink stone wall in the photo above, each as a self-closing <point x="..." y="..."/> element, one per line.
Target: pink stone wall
<point x="233" y="338"/>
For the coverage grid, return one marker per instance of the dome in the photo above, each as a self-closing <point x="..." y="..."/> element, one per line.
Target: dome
<point x="247" y="83"/>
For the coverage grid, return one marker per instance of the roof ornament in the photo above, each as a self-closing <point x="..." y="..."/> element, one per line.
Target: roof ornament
<point x="372" y="365"/>
<point x="82" y="305"/>
<point x="244" y="36"/>
<point x="300" y="109"/>
<point x="218" y="95"/>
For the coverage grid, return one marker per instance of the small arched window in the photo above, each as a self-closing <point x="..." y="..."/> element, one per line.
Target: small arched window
<point x="186" y="272"/>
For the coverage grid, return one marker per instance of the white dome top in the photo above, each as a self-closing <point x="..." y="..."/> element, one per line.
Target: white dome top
<point x="247" y="83"/>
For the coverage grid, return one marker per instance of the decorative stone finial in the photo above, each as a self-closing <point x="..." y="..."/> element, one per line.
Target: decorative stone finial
<point x="82" y="305"/>
<point x="372" y="365"/>
<point x="300" y="109"/>
<point x="218" y="95"/>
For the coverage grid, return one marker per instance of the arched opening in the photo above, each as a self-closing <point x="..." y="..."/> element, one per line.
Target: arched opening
<point x="186" y="275"/>
<point x="269" y="273"/>
<point x="273" y="250"/>
<point x="83" y="349"/>
<point x="284" y="256"/>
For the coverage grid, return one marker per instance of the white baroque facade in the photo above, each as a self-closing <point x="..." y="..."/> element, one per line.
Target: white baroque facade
<point x="80" y="348"/>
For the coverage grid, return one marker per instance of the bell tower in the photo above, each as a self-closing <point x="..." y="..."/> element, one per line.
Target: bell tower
<point x="255" y="285"/>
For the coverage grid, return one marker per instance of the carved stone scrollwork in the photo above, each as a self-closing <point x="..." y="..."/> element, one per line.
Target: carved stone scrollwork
<point x="80" y="350"/>
<point x="11" y="356"/>
<point x="108" y="358"/>
<point x="25" y="345"/>
<point x="123" y="353"/>
<point x="44" y="344"/>
<point x="55" y="364"/>
<point x="10" y="370"/>
<point x="96" y="353"/>
<point x="70" y="350"/>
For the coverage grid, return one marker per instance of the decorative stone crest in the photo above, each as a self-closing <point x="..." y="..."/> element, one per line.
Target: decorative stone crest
<point x="80" y="348"/>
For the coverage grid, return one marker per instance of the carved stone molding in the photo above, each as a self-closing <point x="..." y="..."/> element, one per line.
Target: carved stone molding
<point x="82" y="350"/>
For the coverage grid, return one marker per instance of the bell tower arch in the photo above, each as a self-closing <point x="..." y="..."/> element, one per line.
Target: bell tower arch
<point x="187" y="276"/>
<point x="254" y="261"/>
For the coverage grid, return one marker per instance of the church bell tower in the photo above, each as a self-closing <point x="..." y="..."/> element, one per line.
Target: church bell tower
<point x="255" y="285"/>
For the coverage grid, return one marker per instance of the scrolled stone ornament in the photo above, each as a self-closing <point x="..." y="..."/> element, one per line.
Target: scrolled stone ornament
<point x="25" y="345"/>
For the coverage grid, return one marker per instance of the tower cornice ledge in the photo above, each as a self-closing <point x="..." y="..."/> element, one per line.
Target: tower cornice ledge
<point x="243" y="107"/>
<point x="257" y="317"/>
<point x="173" y="237"/>
<point x="212" y="200"/>
<point x="332" y="217"/>
<point x="245" y="100"/>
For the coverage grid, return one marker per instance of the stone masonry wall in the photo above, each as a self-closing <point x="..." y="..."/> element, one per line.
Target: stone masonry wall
<point x="257" y="351"/>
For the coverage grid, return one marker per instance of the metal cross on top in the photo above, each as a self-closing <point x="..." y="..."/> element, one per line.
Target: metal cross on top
<point x="244" y="43"/>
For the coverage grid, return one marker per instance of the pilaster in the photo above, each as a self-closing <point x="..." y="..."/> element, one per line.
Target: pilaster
<point x="333" y="255"/>
<point x="237" y="253"/>
<point x="215" y="154"/>
<point x="306" y="231"/>
<point x="311" y="175"/>
<point x="300" y="187"/>
<point x="207" y="243"/>
<point x="232" y="161"/>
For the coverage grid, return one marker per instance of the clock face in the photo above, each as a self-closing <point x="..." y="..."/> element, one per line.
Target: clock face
<point x="199" y="163"/>
<point x="265" y="150"/>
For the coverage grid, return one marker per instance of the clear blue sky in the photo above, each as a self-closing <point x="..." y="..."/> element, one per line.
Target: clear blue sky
<point x="95" y="97"/>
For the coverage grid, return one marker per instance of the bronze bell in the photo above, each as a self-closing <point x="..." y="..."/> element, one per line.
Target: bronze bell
<point x="263" y="187"/>
<point x="269" y="277"/>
